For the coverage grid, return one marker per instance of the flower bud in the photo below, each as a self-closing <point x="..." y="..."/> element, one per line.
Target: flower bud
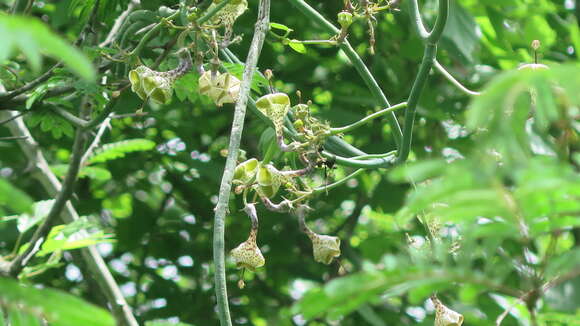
<point x="445" y="316"/>
<point x="345" y="19"/>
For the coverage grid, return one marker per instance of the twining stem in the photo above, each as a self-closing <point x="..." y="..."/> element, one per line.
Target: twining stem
<point x="357" y="62"/>
<point x="374" y="163"/>
<point x="260" y="30"/>
<point x="370" y="117"/>
<point x="418" y="85"/>
<point x="338" y="183"/>
<point x="430" y="39"/>
<point x="452" y="79"/>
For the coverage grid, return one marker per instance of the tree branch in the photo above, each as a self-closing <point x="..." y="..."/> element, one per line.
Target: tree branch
<point x="96" y="265"/>
<point x="260" y="30"/>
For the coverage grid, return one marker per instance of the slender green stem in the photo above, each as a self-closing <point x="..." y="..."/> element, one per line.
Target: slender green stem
<point x="418" y="21"/>
<point x="442" y="16"/>
<point x="385" y="162"/>
<point x="210" y="13"/>
<point x="314" y="42"/>
<point x="337" y="183"/>
<point x="452" y="79"/>
<point x="73" y="119"/>
<point x="261" y="28"/>
<point x="357" y="62"/>
<point x="370" y="117"/>
<point x="371" y="156"/>
<point x="149" y="35"/>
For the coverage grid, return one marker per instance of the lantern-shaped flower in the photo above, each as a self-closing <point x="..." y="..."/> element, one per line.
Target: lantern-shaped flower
<point x="247" y="254"/>
<point x="445" y="316"/>
<point x="324" y="247"/>
<point x="269" y="181"/>
<point x="221" y="88"/>
<point x="228" y="14"/>
<point x="275" y="107"/>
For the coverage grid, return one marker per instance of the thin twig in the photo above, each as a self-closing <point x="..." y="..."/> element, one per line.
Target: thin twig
<point x="260" y="30"/>
<point x="30" y="85"/>
<point x="104" y="125"/>
<point x="452" y="79"/>
<point x="97" y="267"/>
<point x="63" y="196"/>
<point x="370" y="117"/>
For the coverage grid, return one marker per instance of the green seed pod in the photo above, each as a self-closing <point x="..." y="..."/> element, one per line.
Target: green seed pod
<point x="345" y="19"/>
<point x="246" y="171"/>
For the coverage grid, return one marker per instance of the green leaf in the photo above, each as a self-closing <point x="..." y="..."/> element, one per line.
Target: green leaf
<point x="91" y="172"/>
<point x="56" y="307"/>
<point x="281" y="27"/>
<point x="74" y="235"/>
<point x="32" y="37"/>
<point x="237" y="70"/>
<point x="13" y="198"/>
<point x="117" y="150"/>
<point x="297" y="46"/>
<point x="460" y="36"/>
<point x="40" y="212"/>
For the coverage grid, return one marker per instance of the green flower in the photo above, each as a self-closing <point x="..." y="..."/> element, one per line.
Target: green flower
<point x="247" y="254"/>
<point x="221" y="88"/>
<point x="275" y="107"/>
<point x="324" y="247"/>
<point x="151" y="84"/>
<point x="445" y="316"/>
<point x="269" y="181"/>
<point x="246" y="171"/>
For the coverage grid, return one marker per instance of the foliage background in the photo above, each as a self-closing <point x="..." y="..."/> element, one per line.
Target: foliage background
<point x="158" y="203"/>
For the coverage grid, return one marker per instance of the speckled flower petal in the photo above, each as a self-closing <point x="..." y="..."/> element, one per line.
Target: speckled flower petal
<point x="324" y="247"/>
<point x="248" y="255"/>
<point x="445" y="316"/>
